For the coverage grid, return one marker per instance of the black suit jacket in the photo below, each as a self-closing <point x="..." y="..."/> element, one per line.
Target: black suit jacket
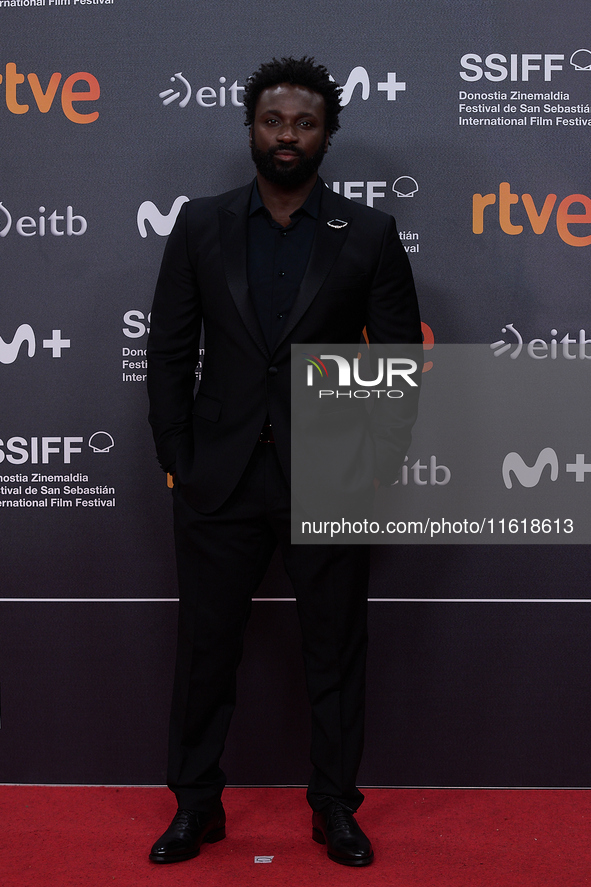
<point x="358" y="276"/>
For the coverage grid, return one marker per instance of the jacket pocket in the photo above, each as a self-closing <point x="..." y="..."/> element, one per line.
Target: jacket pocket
<point x="206" y="407"/>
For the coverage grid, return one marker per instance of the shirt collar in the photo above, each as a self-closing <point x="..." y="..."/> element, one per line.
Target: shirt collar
<point x="311" y="206"/>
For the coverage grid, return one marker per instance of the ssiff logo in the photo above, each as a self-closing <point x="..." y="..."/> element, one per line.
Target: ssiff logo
<point x="403" y="186"/>
<point x="39" y="450"/>
<point x="497" y="66"/>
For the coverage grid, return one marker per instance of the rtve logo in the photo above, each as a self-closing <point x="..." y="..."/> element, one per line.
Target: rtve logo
<point x="538" y="216"/>
<point x="15" y="92"/>
<point x="530" y="476"/>
<point x="9" y="351"/>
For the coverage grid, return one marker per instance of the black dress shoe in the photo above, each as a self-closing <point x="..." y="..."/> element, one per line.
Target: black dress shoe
<point x="336" y="827"/>
<point x="187" y="832"/>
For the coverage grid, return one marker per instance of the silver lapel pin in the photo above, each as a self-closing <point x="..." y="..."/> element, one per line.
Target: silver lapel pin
<point x="337" y="223"/>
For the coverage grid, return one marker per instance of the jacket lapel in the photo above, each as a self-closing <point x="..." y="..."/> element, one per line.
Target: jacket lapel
<point x="234" y="238"/>
<point x="328" y="242"/>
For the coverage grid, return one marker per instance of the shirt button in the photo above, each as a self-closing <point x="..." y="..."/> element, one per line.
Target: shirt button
<point x="282" y="274"/>
<point x="279" y="316"/>
<point x="284" y="233"/>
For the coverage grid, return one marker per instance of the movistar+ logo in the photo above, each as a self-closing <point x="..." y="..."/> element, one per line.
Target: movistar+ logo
<point x="514" y="466"/>
<point x="9" y="351"/>
<point x="161" y="223"/>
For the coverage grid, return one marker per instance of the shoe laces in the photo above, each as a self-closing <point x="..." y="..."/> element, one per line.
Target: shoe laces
<point x="340" y="816"/>
<point x="185" y="818"/>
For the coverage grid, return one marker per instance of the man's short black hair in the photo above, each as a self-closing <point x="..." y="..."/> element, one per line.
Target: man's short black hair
<point x="299" y="72"/>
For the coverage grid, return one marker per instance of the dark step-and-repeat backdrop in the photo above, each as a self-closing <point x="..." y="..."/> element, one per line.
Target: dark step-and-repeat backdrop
<point x="470" y="122"/>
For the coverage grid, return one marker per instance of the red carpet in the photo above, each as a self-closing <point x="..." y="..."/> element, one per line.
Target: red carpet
<point x="432" y="838"/>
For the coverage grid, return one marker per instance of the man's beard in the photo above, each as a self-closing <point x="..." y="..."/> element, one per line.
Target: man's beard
<point x="282" y="172"/>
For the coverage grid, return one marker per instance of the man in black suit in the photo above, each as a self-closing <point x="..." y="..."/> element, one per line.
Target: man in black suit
<point x="283" y="260"/>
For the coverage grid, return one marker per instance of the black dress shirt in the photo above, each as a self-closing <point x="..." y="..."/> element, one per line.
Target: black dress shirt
<point x="277" y="259"/>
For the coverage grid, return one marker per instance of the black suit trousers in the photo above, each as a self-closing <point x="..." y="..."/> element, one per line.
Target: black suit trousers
<point x="221" y="559"/>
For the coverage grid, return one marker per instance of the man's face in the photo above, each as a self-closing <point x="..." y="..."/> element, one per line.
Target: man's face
<point x="288" y="139"/>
